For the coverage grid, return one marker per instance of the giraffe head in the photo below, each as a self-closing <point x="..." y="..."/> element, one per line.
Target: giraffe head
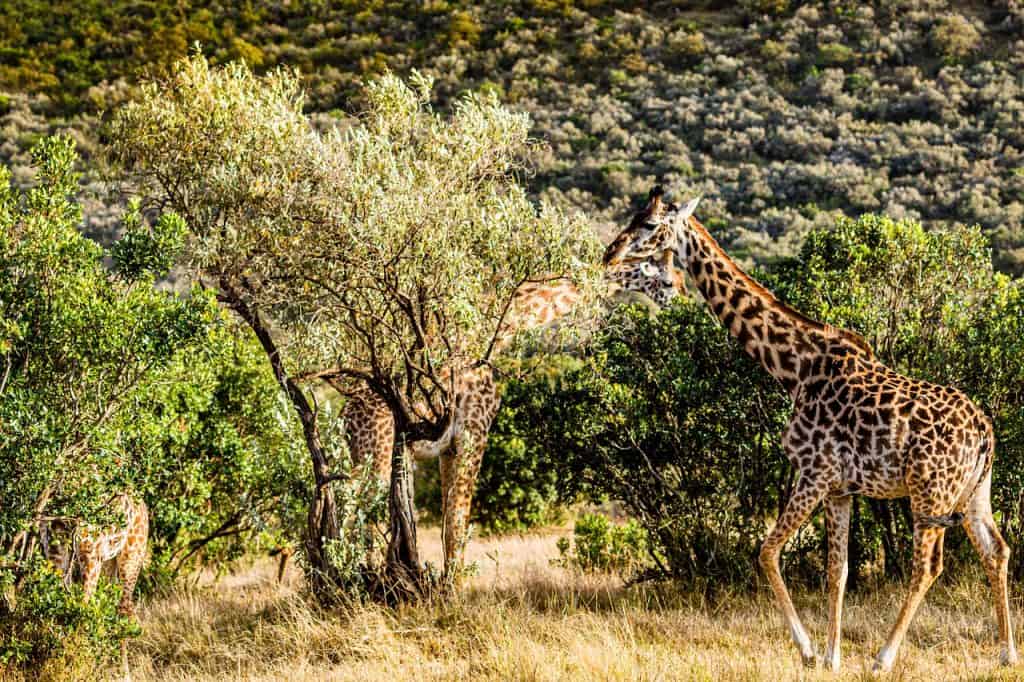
<point x="56" y="536"/>
<point x="648" y="270"/>
<point x="661" y="227"/>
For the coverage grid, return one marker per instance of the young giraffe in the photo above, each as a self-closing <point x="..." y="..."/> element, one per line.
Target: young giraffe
<point x="857" y="427"/>
<point x="91" y="547"/>
<point x="370" y="426"/>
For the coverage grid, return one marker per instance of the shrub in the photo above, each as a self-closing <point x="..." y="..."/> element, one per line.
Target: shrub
<point x="600" y="546"/>
<point x="686" y="47"/>
<point x="669" y="417"/>
<point x="51" y="633"/>
<point x="758" y="7"/>
<point x="955" y="37"/>
<point x="833" y="54"/>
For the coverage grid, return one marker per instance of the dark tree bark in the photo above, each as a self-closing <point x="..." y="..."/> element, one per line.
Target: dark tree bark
<point x="856" y="546"/>
<point x="882" y="511"/>
<point x="403" y="573"/>
<point x="322" y="519"/>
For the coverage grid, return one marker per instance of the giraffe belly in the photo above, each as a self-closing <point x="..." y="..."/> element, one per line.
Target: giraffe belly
<point x="872" y="458"/>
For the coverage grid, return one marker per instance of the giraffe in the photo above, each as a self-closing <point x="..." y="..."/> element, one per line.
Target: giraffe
<point x="857" y="427"/>
<point x="370" y="426"/>
<point x="76" y="545"/>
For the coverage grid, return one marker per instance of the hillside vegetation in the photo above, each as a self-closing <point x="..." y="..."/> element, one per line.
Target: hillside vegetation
<point x="782" y="113"/>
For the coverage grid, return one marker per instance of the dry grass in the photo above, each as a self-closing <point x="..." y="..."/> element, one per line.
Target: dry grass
<point x="521" y="619"/>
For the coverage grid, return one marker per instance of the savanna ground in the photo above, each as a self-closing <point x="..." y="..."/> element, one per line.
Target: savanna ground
<point x="521" y="618"/>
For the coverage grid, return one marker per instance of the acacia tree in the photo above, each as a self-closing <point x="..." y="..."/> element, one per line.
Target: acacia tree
<point x="386" y="252"/>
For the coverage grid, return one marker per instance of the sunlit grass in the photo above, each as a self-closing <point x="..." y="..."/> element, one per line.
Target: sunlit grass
<point x="520" y="618"/>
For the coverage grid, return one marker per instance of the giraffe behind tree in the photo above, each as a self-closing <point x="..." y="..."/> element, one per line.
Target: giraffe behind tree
<point x="857" y="427"/>
<point x="371" y="427"/>
<point x="76" y="547"/>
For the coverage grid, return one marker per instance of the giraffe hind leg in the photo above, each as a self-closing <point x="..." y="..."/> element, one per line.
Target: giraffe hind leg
<point x="994" y="553"/>
<point x="91" y="565"/>
<point x="459" y="470"/>
<point x="130" y="561"/>
<point x="926" y="568"/>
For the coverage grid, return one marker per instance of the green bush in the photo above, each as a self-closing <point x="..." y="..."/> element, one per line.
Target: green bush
<point x="669" y="417"/>
<point x="759" y="7"/>
<point x="217" y="458"/>
<point x="51" y="633"/>
<point x="600" y="546"/>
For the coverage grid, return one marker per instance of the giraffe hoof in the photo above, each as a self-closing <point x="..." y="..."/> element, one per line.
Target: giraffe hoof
<point x="879" y="668"/>
<point x="810" y="661"/>
<point x="1009" y="658"/>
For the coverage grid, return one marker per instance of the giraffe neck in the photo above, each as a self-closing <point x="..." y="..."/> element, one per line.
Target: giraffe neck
<point x="785" y="342"/>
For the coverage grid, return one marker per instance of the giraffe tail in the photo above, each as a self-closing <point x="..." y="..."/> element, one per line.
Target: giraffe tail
<point x="940" y="521"/>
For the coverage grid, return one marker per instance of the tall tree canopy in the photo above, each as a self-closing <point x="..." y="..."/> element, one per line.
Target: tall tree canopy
<point x="387" y="250"/>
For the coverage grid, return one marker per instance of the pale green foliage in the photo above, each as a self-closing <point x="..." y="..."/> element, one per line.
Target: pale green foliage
<point x="228" y="151"/>
<point x="390" y="248"/>
<point x="955" y="37"/>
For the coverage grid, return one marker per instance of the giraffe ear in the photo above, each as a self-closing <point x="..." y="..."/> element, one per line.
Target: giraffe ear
<point x="688" y="210"/>
<point x="683" y="217"/>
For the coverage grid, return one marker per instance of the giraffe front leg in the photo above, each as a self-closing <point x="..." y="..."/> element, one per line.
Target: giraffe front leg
<point x="809" y="492"/>
<point x="927" y="567"/>
<point x="837" y="518"/>
<point x="92" y="566"/>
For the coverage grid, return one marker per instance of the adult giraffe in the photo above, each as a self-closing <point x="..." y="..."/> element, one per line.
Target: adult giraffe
<point x="371" y="428"/>
<point x="857" y="427"/>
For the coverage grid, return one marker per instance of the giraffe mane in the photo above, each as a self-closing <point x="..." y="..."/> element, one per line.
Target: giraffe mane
<point x="828" y="330"/>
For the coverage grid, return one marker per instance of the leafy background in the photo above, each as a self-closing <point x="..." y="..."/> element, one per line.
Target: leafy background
<point x="781" y="113"/>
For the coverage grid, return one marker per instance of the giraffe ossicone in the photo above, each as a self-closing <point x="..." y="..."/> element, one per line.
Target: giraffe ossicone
<point x="858" y="427"/>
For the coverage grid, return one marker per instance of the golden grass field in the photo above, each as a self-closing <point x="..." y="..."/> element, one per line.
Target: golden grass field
<point x="520" y="618"/>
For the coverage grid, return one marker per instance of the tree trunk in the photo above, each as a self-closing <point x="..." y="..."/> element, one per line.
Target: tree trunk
<point x="322" y="521"/>
<point x="404" y="580"/>
<point x="856" y="546"/>
<point x="890" y="540"/>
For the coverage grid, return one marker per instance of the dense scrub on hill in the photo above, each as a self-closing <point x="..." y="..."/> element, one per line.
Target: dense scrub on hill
<point x="782" y="113"/>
